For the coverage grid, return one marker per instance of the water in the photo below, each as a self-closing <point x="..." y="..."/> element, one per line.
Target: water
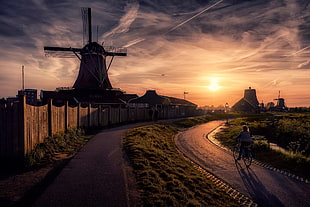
<point x="273" y="146"/>
<point x="278" y="148"/>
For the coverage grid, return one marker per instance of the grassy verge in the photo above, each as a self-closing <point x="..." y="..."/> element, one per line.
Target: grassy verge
<point x="193" y="121"/>
<point x="21" y="184"/>
<point x="163" y="176"/>
<point x="295" y="163"/>
<point x="58" y="145"/>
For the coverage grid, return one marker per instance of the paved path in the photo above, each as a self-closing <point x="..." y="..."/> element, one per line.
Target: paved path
<point x="266" y="187"/>
<point x="94" y="177"/>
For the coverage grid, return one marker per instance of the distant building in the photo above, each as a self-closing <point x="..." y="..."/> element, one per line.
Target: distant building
<point x="87" y="96"/>
<point x="247" y="104"/>
<point x="280" y="106"/>
<point x="164" y="106"/>
<point x="31" y="95"/>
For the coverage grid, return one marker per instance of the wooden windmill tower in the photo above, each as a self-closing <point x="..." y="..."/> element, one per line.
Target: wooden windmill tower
<point x="93" y="73"/>
<point x="280" y="104"/>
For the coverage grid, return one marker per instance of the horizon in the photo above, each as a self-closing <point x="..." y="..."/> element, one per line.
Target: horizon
<point x="213" y="50"/>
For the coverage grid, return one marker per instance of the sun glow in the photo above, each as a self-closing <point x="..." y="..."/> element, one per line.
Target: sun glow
<point x="214" y="84"/>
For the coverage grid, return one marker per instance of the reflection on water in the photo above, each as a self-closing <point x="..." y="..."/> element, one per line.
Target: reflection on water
<point x="278" y="148"/>
<point x="273" y="146"/>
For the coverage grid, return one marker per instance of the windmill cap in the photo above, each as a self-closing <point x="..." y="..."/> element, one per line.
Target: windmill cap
<point x="93" y="47"/>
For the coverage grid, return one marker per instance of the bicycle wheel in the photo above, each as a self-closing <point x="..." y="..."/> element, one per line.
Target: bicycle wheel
<point x="247" y="159"/>
<point x="236" y="151"/>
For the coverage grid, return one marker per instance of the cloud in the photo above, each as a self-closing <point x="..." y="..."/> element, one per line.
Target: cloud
<point x="131" y="9"/>
<point x="304" y="65"/>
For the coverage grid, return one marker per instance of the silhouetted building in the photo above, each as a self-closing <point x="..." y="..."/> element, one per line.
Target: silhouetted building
<point x="280" y="106"/>
<point x="247" y="104"/>
<point x="87" y="96"/>
<point x="31" y="95"/>
<point x="164" y="106"/>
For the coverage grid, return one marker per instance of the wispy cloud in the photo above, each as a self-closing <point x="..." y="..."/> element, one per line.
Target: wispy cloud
<point x="131" y="10"/>
<point x="304" y="65"/>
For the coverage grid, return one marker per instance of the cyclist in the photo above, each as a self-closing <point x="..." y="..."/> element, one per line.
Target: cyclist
<point x="245" y="140"/>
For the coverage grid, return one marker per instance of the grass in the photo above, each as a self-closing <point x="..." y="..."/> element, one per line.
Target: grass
<point x="63" y="143"/>
<point x="295" y="163"/>
<point x="192" y="121"/>
<point x="163" y="176"/>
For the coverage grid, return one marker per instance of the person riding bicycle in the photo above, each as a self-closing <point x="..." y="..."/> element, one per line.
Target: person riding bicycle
<point x="245" y="140"/>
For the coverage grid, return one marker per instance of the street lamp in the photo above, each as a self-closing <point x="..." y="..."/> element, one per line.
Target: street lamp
<point x="226" y="110"/>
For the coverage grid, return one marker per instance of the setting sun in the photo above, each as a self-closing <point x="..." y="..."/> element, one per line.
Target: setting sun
<point x="214" y="84"/>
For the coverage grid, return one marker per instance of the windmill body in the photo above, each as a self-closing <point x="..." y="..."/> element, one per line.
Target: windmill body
<point x="93" y="71"/>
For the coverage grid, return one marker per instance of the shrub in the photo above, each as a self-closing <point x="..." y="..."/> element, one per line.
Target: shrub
<point x="67" y="143"/>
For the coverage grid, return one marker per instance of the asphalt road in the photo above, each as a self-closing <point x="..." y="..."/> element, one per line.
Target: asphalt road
<point x="264" y="186"/>
<point x="96" y="176"/>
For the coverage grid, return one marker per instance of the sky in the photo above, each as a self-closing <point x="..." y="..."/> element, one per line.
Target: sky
<point x="213" y="50"/>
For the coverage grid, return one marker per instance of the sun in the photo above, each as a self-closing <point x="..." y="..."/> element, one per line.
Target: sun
<point x="214" y="84"/>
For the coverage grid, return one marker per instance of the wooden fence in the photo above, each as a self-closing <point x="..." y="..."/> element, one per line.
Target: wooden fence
<point x="22" y="126"/>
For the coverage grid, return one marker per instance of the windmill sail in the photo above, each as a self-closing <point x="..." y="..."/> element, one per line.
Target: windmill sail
<point x="61" y="52"/>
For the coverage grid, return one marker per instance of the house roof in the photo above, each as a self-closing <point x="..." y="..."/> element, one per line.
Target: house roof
<point x="243" y="105"/>
<point x="152" y="98"/>
<point x="177" y="101"/>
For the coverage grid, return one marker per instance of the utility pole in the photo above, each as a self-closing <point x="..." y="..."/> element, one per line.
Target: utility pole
<point x="23" y="78"/>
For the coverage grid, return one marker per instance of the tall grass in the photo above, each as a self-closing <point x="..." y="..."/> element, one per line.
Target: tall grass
<point x="163" y="176"/>
<point x="66" y="143"/>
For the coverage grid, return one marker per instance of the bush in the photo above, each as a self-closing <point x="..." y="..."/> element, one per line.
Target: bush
<point x="66" y="143"/>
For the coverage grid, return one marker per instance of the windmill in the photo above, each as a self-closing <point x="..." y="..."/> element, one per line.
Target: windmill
<point x="280" y="103"/>
<point x="93" y="73"/>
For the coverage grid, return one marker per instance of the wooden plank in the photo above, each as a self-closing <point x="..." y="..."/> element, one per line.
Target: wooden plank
<point x="83" y="116"/>
<point x="72" y="117"/>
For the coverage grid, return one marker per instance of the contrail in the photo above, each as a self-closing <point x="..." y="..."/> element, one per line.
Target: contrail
<point x="298" y="51"/>
<point x="196" y="15"/>
<point x="295" y="53"/>
<point x="133" y="42"/>
<point x="136" y="41"/>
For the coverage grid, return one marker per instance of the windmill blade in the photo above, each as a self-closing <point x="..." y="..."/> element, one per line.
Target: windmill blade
<point x="115" y="51"/>
<point x="87" y="25"/>
<point x="61" y="52"/>
<point x="85" y="22"/>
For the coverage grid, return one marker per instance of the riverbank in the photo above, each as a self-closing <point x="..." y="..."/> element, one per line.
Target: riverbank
<point x="294" y="163"/>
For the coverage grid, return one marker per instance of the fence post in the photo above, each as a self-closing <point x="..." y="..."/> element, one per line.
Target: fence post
<point x="66" y="116"/>
<point x="110" y="116"/>
<point x="119" y="114"/>
<point x="100" y="115"/>
<point x="88" y="115"/>
<point x="78" y="115"/>
<point x="21" y="148"/>
<point x="50" y="117"/>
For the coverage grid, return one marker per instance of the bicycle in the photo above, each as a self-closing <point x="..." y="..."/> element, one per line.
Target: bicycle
<point x="246" y="154"/>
